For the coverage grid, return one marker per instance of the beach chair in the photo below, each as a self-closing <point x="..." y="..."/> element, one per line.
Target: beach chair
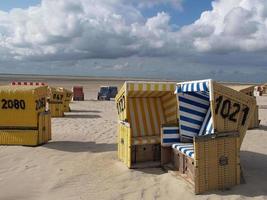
<point x="67" y="96"/>
<point x="142" y="108"/>
<point x="213" y="120"/>
<point x="78" y="94"/>
<point x="23" y="118"/>
<point x="56" y="102"/>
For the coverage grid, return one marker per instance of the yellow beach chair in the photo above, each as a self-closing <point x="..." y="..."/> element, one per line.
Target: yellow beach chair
<point x="56" y="98"/>
<point x="23" y="119"/>
<point x="67" y="96"/>
<point x="142" y="108"/>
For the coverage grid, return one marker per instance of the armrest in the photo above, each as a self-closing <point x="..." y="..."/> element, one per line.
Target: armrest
<point x="216" y="144"/>
<point x="215" y="135"/>
<point x="216" y="156"/>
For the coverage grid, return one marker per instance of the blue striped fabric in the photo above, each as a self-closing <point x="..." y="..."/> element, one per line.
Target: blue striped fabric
<point x="197" y="86"/>
<point x="170" y="135"/>
<point x="193" y="108"/>
<point x="185" y="148"/>
<point x="207" y="127"/>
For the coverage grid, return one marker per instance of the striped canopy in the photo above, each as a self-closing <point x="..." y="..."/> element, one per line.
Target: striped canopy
<point x="193" y="86"/>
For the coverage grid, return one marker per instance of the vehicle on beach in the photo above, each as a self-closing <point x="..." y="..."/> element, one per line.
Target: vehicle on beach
<point x="107" y="92"/>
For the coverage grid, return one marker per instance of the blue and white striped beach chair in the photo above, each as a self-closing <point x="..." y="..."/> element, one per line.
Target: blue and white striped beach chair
<point x="194" y="114"/>
<point x="208" y="158"/>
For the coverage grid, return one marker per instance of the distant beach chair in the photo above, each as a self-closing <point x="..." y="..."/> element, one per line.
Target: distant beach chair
<point x="67" y="96"/>
<point x="56" y="102"/>
<point x="213" y="120"/>
<point x="78" y="94"/>
<point x="142" y="108"/>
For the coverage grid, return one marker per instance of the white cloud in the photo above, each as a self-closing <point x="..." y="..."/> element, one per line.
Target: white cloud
<point x="235" y="25"/>
<point x="60" y="30"/>
<point x="64" y="29"/>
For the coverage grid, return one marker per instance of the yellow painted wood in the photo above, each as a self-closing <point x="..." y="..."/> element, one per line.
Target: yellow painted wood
<point x="124" y="141"/>
<point x="24" y="114"/>
<point x="56" y="109"/>
<point x="41" y="135"/>
<point x="56" y="102"/>
<point x="67" y="96"/>
<point x="44" y="127"/>
<point x="19" y="137"/>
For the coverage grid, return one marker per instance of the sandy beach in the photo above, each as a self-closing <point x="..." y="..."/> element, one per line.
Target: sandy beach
<point x="81" y="160"/>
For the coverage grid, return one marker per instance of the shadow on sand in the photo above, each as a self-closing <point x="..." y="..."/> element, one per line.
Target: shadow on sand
<point x="94" y="100"/>
<point x="82" y="116"/>
<point x="75" y="146"/>
<point x="85" y="111"/>
<point x="155" y="170"/>
<point x="262" y="127"/>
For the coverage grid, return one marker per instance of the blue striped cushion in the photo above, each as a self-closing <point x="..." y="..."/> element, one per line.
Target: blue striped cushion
<point x="169" y="135"/>
<point x="193" y="108"/>
<point x="185" y="148"/>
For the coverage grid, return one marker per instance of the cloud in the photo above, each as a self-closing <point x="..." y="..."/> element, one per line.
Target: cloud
<point x="231" y="25"/>
<point x="64" y="29"/>
<point x="69" y="31"/>
<point x="82" y="29"/>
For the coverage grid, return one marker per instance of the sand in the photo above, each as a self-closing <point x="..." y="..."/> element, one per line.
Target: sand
<point x="81" y="162"/>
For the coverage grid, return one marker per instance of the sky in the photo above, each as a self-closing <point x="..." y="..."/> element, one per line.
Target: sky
<point x="168" y="39"/>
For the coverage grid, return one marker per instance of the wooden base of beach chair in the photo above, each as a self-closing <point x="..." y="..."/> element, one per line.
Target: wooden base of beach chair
<point x="189" y="168"/>
<point x="183" y="164"/>
<point x="165" y="157"/>
<point x="216" y="164"/>
<point x="179" y="161"/>
<point x="145" y="153"/>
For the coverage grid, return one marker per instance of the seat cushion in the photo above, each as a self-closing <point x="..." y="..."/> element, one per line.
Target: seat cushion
<point x="146" y="140"/>
<point x="185" y="148"/>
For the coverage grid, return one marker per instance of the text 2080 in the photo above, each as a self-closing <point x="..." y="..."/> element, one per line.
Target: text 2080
<point x="12" y="104"/>
<point x="21" y="104"/>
